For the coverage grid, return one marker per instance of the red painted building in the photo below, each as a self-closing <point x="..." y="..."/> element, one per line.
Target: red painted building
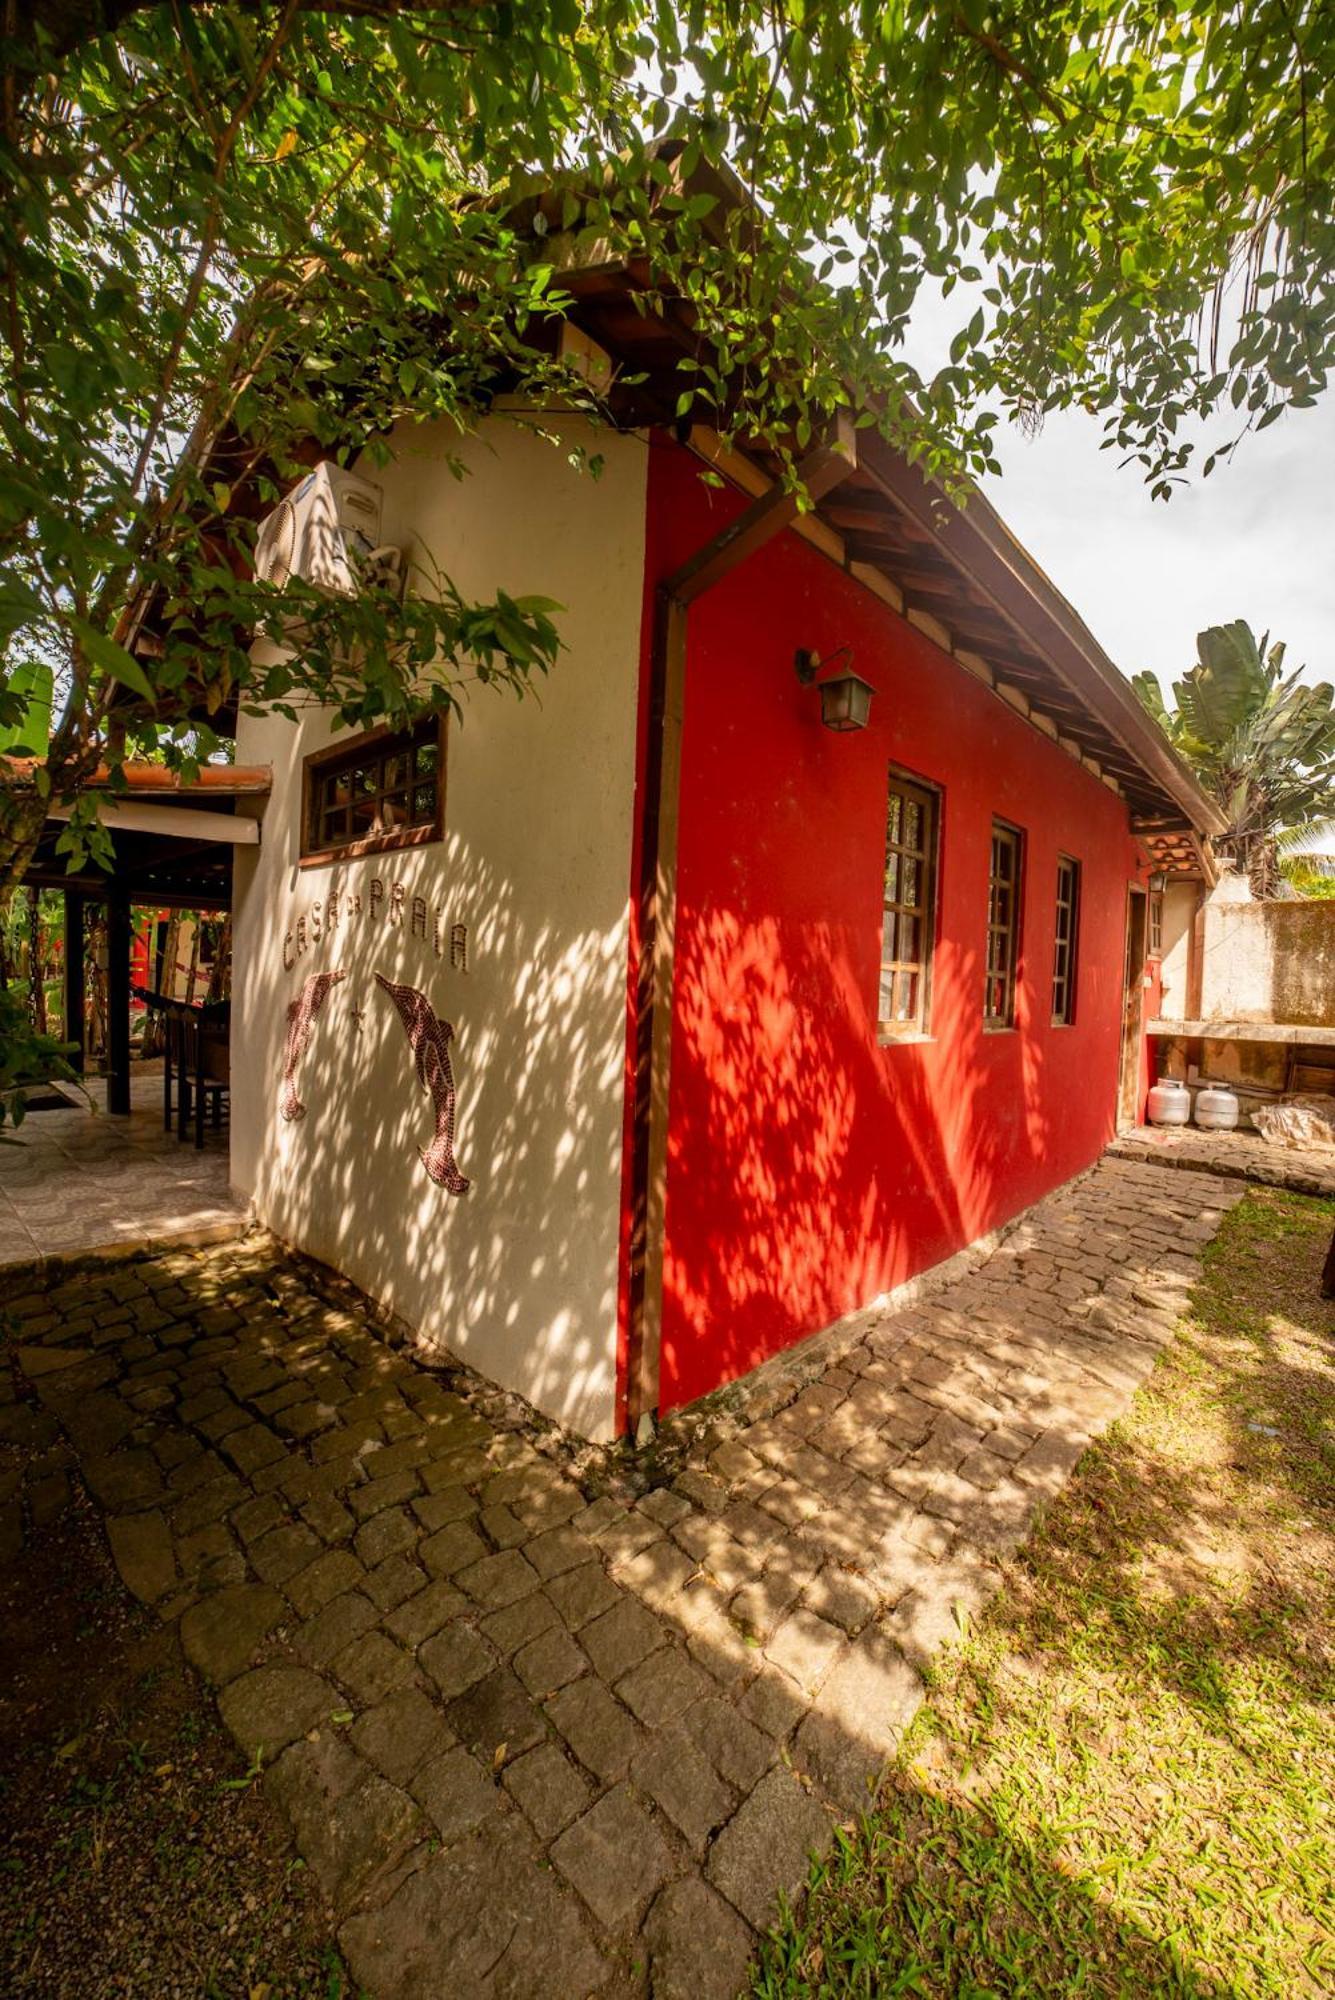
<point x="751" y="1018"/>
<point x="816" y="1158"/>
<point x="834" y="1125"/>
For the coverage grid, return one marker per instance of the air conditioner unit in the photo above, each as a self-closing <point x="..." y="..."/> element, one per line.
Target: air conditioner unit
<point x="326" y="531"/>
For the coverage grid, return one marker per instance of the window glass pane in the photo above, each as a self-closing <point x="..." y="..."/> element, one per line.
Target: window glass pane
<point x="907" y="929"/>
<point x="1003" y="906"/>
<point x="1064" y="942"/>
<point x="392" y="784"/>
<point x="892" y="878"/>
<point x="908" y="883"/>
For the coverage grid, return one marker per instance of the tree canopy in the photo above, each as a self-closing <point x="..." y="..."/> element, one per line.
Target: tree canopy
<point x="242" y="234"/>
<point x="1261" y="741"/>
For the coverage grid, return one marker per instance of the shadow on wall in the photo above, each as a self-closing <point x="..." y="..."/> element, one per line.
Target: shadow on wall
<point x="517" y="1276"/>
<point x="786" y="1095"/>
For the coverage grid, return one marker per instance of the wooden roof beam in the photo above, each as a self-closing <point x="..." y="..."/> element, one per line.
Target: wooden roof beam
<point x="993" y="561"/>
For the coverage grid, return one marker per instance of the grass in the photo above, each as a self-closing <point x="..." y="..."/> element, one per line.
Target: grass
<point x="1123" y="1781"/>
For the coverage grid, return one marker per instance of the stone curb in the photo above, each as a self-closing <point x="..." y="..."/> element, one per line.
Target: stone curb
<point x="67" y="1263"/>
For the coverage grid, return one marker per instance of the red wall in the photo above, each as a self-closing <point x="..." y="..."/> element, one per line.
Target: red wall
<point x="810" y="1169"/>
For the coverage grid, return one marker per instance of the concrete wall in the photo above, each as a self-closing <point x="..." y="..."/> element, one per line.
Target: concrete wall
<point x="519" y="1275"/>
<point x="1269" y="962"/>
<point x="1261" y="962"/>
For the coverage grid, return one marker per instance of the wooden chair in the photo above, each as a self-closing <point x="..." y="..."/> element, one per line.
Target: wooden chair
<point x="196" y="1057"/>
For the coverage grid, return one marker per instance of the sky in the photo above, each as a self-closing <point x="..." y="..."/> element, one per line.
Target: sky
<point x="1256" y="540"/>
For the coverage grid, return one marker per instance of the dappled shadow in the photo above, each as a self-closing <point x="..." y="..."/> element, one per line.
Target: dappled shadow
<point x="517" y="1275"/>
<point x="814" y="1164"/>
<point x="931" y="1896"/>
<point x="1214" y="1531"/>
<point x="513" y="927"/>
<point x="722" y="1765"/>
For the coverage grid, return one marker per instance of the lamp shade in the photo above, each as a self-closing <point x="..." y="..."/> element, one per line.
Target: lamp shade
<point x="845" y="701"/>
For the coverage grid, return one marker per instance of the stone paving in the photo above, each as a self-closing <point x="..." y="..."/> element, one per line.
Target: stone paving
<point x="1235" y="1156"/>
<point x="535" y="1740"/>
<point x="79" y="1180"/>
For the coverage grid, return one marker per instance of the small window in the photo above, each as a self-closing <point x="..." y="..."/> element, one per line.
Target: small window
<point x="380" y="790"/>
<point x="1066" y="941"/>
<point x="1003" y="926"/>
<point x="909" y="919"/>
<point x="1156" y="924"/>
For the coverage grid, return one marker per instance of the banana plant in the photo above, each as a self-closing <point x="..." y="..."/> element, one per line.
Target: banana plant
<point x="1262" y="742"/>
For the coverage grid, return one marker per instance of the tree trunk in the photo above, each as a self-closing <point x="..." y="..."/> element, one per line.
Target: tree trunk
<point x="36" y="984"/>
<point x="22" y="816"/>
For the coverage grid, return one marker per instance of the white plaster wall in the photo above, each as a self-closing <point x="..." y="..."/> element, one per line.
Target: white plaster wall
<point x="518" y="1276"/>
<point x="1179" y="910"/>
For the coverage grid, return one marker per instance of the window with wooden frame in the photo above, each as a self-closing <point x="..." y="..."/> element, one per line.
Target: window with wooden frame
<point x="1003" y="924"/>
<point x="381" y="790"/>
<point x="908" y="926"/>
<point x="1156" y="924"/>
<point x="1066" y="941"/>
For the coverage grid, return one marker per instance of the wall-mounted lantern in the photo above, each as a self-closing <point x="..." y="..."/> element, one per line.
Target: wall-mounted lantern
<point x="845" y="698"/>
<point x="1158" y="882"/>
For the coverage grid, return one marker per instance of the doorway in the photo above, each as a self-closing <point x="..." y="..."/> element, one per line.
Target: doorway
<point x="1133" y="1009"/>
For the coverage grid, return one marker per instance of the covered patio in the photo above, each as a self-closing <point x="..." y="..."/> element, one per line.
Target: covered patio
<point x="77" y="1181"/>
<point x="173" y="841"/>
<point x="112" y="1166"/>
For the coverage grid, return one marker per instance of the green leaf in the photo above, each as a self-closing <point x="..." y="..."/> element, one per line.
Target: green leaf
<point x="112" y="658"/>
<point x="19" y="603"/>
<point x="30" y="686"/>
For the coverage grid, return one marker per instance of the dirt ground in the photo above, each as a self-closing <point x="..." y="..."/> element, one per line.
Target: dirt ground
<point x="136" y="1856"/>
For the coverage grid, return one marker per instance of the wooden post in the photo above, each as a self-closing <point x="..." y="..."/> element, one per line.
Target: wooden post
<point x="36" y="985"/>
<point x="75" y="1027"/>
<point x="118" y="1002"/>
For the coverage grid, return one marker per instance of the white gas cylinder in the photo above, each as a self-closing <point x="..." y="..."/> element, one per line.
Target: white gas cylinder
<point x="1169" y="1102"/>
<point x="1216" y="1108"/>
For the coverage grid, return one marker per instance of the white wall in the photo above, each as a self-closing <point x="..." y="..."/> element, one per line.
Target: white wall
<point x="518" y="1275"/>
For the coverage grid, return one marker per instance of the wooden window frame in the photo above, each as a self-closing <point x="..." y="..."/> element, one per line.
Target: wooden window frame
<point x="1155" y="946"/>
<point x="315" y="850"/>
<point x="918" y="791"/>
<point x="1012" y="839"/>
<point x="1066" y="944"/>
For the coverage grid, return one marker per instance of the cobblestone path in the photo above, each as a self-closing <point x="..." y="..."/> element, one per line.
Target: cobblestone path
<point x="1236" y="1155"/>
<point x="534" y="1744"/>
